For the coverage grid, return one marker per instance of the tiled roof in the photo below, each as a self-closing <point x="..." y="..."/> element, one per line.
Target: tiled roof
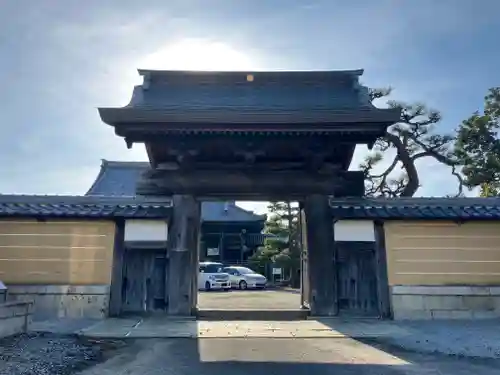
<point x="83" y="207"/>
<point x="119" y="179"/>
<point x="268" y="92"/>
<point x="417" y="208"/>
<point x="227" y="211"/>
<point x="284" y="97"/>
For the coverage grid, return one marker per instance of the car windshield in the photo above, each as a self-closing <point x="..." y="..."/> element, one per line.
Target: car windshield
<point x="212" y="268"/>
<point x="244" y="270"/>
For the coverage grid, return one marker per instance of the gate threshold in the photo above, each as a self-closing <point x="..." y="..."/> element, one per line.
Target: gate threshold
<point x="252" y="314"/>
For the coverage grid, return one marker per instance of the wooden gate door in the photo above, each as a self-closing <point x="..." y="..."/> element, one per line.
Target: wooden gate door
<point x="357" y="280"/>
<point x="158" y="294"/>
<point x="144" y="274"/>
<point x="304" y="269"/>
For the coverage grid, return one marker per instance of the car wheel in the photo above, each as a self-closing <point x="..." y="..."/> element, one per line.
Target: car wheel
<point x="243" y="284"/>
<point x="207" y="286"/>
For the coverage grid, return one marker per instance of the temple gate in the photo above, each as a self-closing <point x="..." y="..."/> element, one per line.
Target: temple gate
<point x="287" y="136"/>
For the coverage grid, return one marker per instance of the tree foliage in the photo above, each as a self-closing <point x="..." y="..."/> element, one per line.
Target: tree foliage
<point x="413" y="138"/>
<point x="477" y="146"/>
<point x="283" y="248"/>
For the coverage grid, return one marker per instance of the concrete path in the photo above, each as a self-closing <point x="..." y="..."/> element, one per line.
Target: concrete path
<point x="253" y="356"/>
<point x="170" y="328"/>
<point x="464" y="338"/>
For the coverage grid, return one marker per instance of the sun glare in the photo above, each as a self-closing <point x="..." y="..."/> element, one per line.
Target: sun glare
<point x="198" y="55"/>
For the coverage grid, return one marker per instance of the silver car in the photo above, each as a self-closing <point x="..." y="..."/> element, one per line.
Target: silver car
<point x="245" y="278"/>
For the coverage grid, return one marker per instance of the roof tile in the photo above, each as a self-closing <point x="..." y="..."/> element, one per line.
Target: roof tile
<point x="84" y="207"/>
<point x="416" y="208"/>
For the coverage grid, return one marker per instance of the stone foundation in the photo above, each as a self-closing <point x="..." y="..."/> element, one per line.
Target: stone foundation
<point x="445" y="302"/>
<point x="15" y="317"/>
<point x="63" y="301"/>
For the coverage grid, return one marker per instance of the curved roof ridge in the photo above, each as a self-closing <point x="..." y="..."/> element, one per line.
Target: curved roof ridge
<point x="109" y="165"/>
<point x="99" y="176"/>
<point x="341" y="72"/>
<point x="125" y="163"/>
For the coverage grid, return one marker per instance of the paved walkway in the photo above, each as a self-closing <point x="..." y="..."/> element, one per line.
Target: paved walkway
<point x="168" y="328"/>
<point x="305" y="356"/>
<point x="465" y="338"/>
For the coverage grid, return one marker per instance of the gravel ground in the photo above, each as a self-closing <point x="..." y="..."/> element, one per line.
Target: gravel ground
<point x="249" y="299"/>
<point x="48" y="354"/>
<point x="462" y="338"/>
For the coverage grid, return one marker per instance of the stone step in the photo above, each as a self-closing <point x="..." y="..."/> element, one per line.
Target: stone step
<point x="272" y="315"/>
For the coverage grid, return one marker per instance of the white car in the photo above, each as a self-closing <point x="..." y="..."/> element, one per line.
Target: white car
<point x="211" y="276"/>
<point x="245" y="278"/>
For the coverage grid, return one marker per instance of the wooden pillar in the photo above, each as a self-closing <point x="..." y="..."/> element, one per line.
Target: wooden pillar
<point x="383" y="290"/>
<point x="183" y="256"/>
<point x="304" y="281"/>
<point x="320" y="246"/>
<point x="115" y="297"/>
<point x="221" y="246"/>
<point x="242" y="247"/>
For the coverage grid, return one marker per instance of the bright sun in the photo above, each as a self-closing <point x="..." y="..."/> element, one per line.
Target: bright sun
<point x="195" y="54"/>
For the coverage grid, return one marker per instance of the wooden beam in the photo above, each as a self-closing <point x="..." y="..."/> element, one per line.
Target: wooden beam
<point x="255" y="165"/>
<point x="115" y="290"/>
<point x="183" y="255"/>
<point x="151" y="155"/>
<point x="383" y="290"/>
<point x="320" y="256"/>
<point x="251" y="183"/>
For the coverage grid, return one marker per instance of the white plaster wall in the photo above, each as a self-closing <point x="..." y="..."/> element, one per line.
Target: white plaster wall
<point x="146" y="230"/>
<point x="354" y="230"/>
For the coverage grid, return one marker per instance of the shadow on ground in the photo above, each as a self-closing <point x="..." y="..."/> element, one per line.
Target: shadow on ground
<point x="282" y="357"/>
<point x="462" y="338"/>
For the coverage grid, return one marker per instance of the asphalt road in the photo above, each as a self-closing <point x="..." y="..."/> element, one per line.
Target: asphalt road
<point x="249" y="299"/>
<point x="279" y="357"/>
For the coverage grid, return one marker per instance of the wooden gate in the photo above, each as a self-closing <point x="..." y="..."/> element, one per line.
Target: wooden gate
<point x="357" y="279"/>
<point x="304" y="269"/>
<point x="144" y="278"/>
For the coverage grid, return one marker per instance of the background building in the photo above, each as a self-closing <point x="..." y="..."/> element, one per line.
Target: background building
<point x="228" y="233"/>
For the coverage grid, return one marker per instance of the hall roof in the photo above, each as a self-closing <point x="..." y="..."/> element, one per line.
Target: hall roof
<point x="416" y="208"/>
<point x="119" y="179"/>
<point x="283" y="99"/>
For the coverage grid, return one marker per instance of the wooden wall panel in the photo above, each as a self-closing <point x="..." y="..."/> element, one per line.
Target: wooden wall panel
<point x="56" y="252"/>
<point x="443" y="253"/>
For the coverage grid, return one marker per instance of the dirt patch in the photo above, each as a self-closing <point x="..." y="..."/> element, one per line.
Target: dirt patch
<point x="49" y="354"/>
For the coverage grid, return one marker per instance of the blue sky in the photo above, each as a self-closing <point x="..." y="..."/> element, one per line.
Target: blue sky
<point x="60" y="60"/>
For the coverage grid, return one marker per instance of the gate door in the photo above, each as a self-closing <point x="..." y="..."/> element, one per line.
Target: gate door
<point x="357" y="281"/>
<point x="144" y="272"/>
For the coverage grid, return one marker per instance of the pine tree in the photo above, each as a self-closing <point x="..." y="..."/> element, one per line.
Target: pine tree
<point x="283" y="248"/>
